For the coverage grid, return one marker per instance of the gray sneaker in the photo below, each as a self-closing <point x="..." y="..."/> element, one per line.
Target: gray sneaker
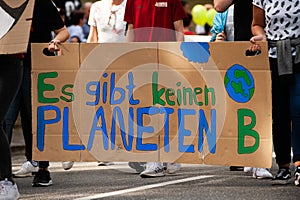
<point x="137" y="166"/>
<point x="67" y="165"/>
<point x="153" y="169"/>
<point x="172" y="168"/>
<point x="8" y="190"/>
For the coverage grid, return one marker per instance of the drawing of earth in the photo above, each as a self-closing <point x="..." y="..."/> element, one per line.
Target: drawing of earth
<point x="239" y="83"/>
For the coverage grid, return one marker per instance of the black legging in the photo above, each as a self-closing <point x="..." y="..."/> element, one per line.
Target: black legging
<point x="11" y="70"/>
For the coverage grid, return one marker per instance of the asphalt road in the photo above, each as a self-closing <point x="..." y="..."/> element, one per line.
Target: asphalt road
<point x="89" y="181"/>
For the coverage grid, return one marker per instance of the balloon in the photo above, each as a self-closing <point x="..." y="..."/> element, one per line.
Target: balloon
<point x="199" y="14"/>
<point x="210" y="16"/>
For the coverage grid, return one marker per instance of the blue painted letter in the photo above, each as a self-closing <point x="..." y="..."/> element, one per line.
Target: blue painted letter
<point x="182" y="132"/>
<point x="42" y="122"/>
<point x="102" y="128"/>
<point x="167" y="111"/>
<point x="65" y="134"/>
<point x="147" y="129"/>
<point x="210" y="134"/>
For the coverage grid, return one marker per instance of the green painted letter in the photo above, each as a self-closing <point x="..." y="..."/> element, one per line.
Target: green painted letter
<point x="68" y="94"/>
<point x="156" y="94"/>
<point x="170" y="92"/>
<point x="42" y="87"/>
<point x="246" y="130"/>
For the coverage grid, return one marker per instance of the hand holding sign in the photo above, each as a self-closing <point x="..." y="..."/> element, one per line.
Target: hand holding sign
<point x="54" y="45"/>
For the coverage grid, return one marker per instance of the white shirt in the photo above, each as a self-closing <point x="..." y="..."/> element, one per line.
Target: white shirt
<point x="229" y="27"/>
<point x="109" y="21"/>
<point x="282" y="19"/>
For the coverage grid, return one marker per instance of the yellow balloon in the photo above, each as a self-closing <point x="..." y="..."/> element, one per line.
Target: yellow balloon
<point x="199" y="15"/>
<point x="210" y="16"/>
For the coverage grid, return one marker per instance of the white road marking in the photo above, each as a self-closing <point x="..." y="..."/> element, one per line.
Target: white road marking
<point x="146" y="187"/>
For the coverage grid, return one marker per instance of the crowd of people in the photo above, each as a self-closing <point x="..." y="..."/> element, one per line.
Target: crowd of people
<point x="60" y="21"/>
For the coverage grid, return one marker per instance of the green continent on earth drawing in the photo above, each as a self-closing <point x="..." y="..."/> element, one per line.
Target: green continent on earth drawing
<point x="239" y="83"/>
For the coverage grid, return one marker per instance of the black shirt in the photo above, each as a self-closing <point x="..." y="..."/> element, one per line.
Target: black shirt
<point x="242" y="20"/>
<point x="45" y="19"/>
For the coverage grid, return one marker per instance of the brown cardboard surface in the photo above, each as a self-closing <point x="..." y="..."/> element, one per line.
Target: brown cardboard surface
<point x="228" y="156"/>
<point x="54" y="147"/>
<point x="56" y="81"/>
<point x="15" y="39"/>
<point x="68" y="60"/>
<point x="192" y="91"/>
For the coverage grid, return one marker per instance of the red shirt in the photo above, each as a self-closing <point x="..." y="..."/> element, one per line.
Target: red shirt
<point x="189" y="33"/>
<point x="153" y="20"/>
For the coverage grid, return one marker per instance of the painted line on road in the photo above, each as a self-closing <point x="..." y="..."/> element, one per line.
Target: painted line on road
<point x="145" y="187"/>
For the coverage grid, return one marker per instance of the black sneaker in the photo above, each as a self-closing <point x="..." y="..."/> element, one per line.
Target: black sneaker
<point x="42" y="179"/>
<point x="282" y="177"/>
<point x="297" y="176"/>
<point x="236" y="168"/>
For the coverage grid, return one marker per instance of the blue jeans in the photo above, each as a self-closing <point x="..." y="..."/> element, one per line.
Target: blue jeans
<point x="22" y="103"/>
<point x="286" y="114"/>
<point x="11" y="70"/>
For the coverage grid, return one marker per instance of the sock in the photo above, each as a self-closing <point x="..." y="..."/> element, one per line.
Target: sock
<point x="34" y="163"/>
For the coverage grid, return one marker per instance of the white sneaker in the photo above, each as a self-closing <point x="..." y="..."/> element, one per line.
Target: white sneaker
<point x="248" y="169"/>
<point x="8" y="191"/>
<point x="153" y="169"/>
<point x="173" y="168"/>
<point x="26" y="170"/>
<point x="261" y="173"/>
<point x="67" y="165"/>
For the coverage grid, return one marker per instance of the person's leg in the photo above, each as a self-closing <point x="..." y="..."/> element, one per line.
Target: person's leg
<point x="281" y="118"/>
<point x="10" y="79"/>
<point x="43" y="164"/>
<point x="281" y="124"/>
<point x="23" y="103"/>
<point x="295" y="117"/>
<point x="12" y="115"/>
<point x="11" y="70"/>
<point x="25" y="111"/>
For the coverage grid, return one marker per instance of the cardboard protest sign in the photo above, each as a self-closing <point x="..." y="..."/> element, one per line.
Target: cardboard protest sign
<point x="203" y="103"/>
<point x="16" y="17"/>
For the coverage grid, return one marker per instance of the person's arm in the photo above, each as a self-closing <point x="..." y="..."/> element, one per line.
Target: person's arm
<point x="61" y="35"/>
<point x="218" y="24"/>
<point x="178" y="26"/>
<point x="222" y="5"/>
<point x="93" y="35"/>
<point x="130" y="33"/>
<point x="257" y="27"/>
